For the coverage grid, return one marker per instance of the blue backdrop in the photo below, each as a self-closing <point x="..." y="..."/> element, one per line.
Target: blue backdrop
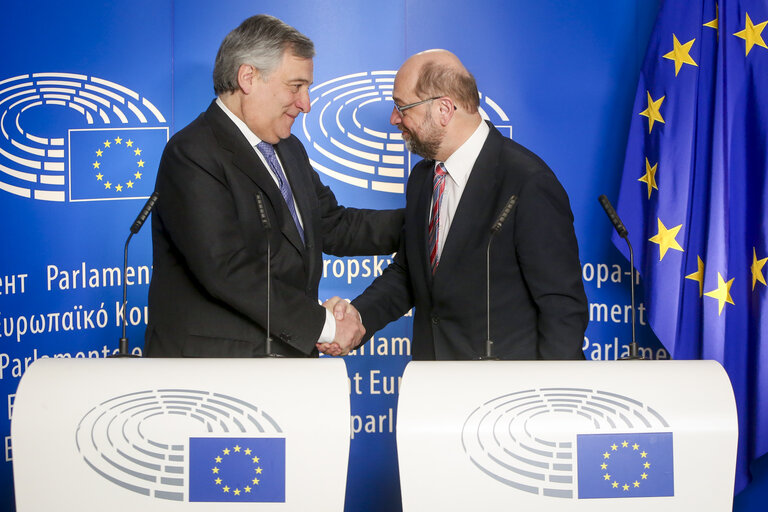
<point x="80" y="80"/>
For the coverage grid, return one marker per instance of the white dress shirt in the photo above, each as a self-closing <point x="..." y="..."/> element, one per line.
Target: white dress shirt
<point x="459" y="167"/>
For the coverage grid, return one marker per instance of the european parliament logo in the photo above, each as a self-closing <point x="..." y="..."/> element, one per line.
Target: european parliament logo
<point x="73" y="137"/>
<point x="626" y="465"/>
<point x="572" y="443"/>
<point x="185" y="445"/>
<point x="236" y="469"/>
<point x="348" y="136"/>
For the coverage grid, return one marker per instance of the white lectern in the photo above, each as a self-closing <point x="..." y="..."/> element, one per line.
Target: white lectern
<point x="566" y="436"/>
<point x="181" y="434"/>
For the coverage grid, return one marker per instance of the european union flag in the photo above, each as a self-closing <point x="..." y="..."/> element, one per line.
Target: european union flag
<point x="693" y="196"/>
<point x="114" y="163"/>
<point x="234" y="469"/>
<point x="631" y="465"/>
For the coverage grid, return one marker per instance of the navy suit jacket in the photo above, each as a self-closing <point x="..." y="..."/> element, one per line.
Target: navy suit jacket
<point x="207" y="297"/>
<point x="538" y="306"/>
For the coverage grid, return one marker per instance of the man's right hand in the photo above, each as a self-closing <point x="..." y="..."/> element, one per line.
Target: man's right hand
<point x="349" y="328"/>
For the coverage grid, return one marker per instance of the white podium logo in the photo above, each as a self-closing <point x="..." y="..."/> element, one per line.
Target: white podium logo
<point x="572" y="443"/>
<point x="349" y="138"/>
<point x="141" y="441"/>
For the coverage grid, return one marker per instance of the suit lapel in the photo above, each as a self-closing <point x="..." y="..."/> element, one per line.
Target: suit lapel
<point x="479" y="190"/>
<point x="423" y="205"/>
<point x="244" y="157"/>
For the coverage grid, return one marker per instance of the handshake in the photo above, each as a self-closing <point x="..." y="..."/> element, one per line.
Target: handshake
<point x="349" y="328"/>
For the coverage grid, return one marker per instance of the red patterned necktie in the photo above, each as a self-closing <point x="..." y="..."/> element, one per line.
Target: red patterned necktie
<point x="438" y="187"/>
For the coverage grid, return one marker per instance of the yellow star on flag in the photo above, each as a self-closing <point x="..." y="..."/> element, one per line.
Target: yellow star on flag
<point x="757" y="269"/>
<point x="714" y="23"/>
<point x="108" y="185"/>
<point x="666" y="239"/>
<point x="652" y="112"/>
<point x="140" y="163"/>
<point x="649" y="178"/>
<point x="137" y="175"/>
<point x="137" y="151"/>
<point x="129" y="143"/>
<point x="119" y="188"/>
<point x="752" y="34"/>
<point x="118" y="140"/>
<point x="99" y="176"/>
<point x="107" y="143"/>
<point x="698" y="276"/>
<point x="680" y="54"/>
<point x="722" y="293"/>
<point x="96" y="165"/>
<point x="99" y="152"/>
<point x="129" y="184"/>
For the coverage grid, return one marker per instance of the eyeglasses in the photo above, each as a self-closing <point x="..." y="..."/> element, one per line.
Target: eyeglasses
<point x="401" y="110"/>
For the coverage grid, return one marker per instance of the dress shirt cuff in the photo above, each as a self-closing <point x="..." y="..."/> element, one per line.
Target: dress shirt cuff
<point x="329" y="329"/>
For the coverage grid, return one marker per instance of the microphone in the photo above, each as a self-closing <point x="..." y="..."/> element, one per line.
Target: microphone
<point x="144" y="213"/>
<point x="268" y="229"/>
<point x="494" y="229"/>
<point x="622" y="231"/>
<point x="135" y="227"/>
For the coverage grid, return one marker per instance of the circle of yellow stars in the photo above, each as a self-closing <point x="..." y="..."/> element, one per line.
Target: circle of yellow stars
<point x="625" y="486"/>
<point x="247" y="452"/>
<point x="680" y="54"/>
<point x="118" y="187"/>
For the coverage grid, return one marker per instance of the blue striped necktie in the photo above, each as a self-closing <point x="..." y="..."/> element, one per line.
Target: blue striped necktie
<point x="285" y="189"/>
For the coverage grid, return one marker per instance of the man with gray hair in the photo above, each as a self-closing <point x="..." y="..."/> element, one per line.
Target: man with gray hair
<point x="235" y="185"/>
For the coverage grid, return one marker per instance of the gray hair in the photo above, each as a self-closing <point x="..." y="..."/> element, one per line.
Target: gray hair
<point x="261" y="42"/>
<point x="444" y="80"/>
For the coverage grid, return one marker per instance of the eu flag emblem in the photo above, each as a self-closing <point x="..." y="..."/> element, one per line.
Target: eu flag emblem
<point x="229" y="469"/>
<point x="629" y="465"/>
<point x="112" y="164"/>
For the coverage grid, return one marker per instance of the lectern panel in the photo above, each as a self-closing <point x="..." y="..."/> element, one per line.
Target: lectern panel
<point x="566" y="436"/>
<point x="181" y="434"/>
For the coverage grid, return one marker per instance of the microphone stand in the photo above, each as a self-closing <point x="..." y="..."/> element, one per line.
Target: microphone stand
<point x="268" y="229"/>
<point x="494" y="229"/>
<point x="622" y="231"/>
<point x="123" y="350"/>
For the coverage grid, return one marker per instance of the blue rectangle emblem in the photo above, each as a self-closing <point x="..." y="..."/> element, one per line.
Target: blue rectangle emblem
<point x="228" y="469"/>
<point x="629" y="465"/>
<point x="112" y="164"/>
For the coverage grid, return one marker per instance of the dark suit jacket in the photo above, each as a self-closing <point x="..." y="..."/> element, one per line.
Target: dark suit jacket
<point x="538" y="305"/>
<point x="207" y="297"/>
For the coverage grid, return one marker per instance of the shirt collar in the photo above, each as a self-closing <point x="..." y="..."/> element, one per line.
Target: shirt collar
<point x="459" y="164"/>
<point x="249" y="135"/>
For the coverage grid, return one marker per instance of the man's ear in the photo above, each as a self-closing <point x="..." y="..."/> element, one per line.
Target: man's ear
<point x="447" y="109"/>
<point x="246" y="77"/>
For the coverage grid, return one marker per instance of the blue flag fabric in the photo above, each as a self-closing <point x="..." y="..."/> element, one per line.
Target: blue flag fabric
<point x="630" y="465"/>
<point x="694" y="196"/>
<point x="226" y="469"/>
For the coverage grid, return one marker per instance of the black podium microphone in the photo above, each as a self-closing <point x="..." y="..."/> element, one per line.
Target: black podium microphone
<point x="135" y="227"/>
<point x="268" y="229"/>
<point x="622" y="231"/>
<point x="494" y="229"/>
